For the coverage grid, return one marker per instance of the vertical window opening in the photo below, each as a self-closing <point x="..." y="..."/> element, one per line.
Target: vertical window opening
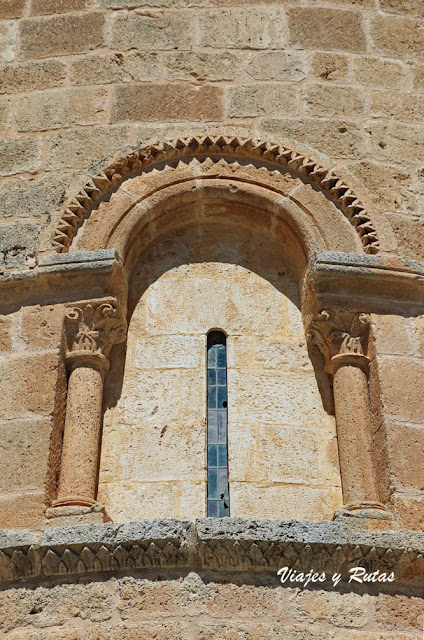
<point x="218" y="490"/>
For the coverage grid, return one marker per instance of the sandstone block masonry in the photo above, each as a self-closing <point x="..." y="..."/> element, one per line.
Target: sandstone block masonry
<point x="312" y="72"/>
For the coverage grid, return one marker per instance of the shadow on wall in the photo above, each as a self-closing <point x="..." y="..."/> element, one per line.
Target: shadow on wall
<point x="197" y="248"/>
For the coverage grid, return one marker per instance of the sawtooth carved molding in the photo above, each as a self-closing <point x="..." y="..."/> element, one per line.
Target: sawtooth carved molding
<point x="238" y="545"/>
<point x="100" y="186"/>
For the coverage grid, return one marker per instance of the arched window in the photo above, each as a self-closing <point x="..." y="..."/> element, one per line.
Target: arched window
<point x="218" y="490"/>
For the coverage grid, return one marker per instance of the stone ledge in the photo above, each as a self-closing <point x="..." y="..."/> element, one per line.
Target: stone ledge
<point x="211" y="544"/>
<point x="63" y="277"/>
<point x="366" y="282"/>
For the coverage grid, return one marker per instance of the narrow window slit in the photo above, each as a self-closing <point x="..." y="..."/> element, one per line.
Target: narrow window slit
<point x="217" y="438"/>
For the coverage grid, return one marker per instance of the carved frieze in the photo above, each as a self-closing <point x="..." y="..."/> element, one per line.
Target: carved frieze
<point x="236" y="545"/>
<point x="93" y="327"/>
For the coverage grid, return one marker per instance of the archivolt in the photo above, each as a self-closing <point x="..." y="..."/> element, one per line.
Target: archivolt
<point x="260" y="153"/>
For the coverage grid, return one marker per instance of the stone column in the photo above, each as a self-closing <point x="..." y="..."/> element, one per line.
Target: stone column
<point x="91" y="330"/>
<point x="342" y="337"/>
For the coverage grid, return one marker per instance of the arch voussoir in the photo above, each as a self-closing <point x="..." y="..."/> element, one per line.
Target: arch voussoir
<point x="261" y="153"/>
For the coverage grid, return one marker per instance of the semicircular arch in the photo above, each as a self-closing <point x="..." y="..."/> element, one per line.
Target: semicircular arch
<point x="261" y="164"/>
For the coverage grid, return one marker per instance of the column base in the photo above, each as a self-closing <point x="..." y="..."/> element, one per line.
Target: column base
<point x="373" y="516"/>
<point x="64" y="515"/>
<point x="74" y="501"/>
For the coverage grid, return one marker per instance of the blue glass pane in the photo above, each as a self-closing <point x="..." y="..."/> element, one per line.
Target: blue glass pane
<point x="224" y="508"/>
<point x="212" y="427"/>
<point x="222" y="483"/>
<point x="212" y="508"/>
<point x="222" y="425"/>
<point x="211" y="397"/>
<point x="222" y="455"/>
<point x="221" y="376"/>
<point x="217" y="459"/>
<point x="212" y="456"/>
<point x="222" y="396"/>
<point x="221" y="356"/>
<point x="212" y="483"/>
<point x="212" y="357"/>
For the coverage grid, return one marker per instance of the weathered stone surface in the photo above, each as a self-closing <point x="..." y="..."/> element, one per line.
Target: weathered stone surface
<point x="28" y="76"/>
<point x="409" y="233"/>
<point x="131" y="4"/>
<point x="17" y="243"/>
<point x="59" y="35"/>
<point x="404" y="401"/>
<point x="37" y="197"/>
<point x="26" y="509"/>
<point x="390" y="140"/>
<point x="8" y="34"/>
<point x="5" y="115"/>
<point x="28" y="385"/>
<point x="355" y="4"/>
<point x="330" y="66"/>
<point x="155" y="31"/>
<point x="42" y="7"/>
<point x="211" y="67"/>
<point x="409" y="7"/>
<point x="301" y="464"/>
<point x="408" y="506"/>
<point x="379" y="72"/>
<point x="391" y="186"/>
<point x="11" y="8"/>
<point x="19" y="156"/>
<point x="116" y="67"/>
<point x="61" y="108"/>
<point x="322" y="100"/>
<point x="393" y="335"/>
<point x="418" y="74"/>
<point x="398" y="37"/>
<point x="169" y="102"/>
<point x="326" y="29"/>
<point x="402" y="612"/>
<point x="276" y="65"/>
<point x="405" y="446"/>
<point x="24" y="446"/>
<point x="262" y="100"/>
<point x="335" y="137"/>
<point x="5" y="333"/>
<point x="42" y="326"/>
<point x="252" y="28"/>
<point x="315" y="607"/>
<point x="406" y="107"/>
<point x="79" y="148"/>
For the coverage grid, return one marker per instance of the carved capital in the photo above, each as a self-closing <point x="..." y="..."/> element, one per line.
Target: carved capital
<point x="337" y="332"/>
<point x="92" y="328"/>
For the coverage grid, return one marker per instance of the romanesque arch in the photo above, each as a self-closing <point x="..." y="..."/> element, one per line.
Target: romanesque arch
<point x="222" y="152"/>
<point x="272" y="190"/>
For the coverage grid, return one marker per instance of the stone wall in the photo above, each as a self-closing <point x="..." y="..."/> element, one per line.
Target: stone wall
<point x="82" y="79"/>
<point x="198" y="607"/>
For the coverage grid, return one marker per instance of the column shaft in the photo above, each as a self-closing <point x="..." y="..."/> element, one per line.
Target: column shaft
<point x="81" y="442"/>
<point x="353" y="419"/>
